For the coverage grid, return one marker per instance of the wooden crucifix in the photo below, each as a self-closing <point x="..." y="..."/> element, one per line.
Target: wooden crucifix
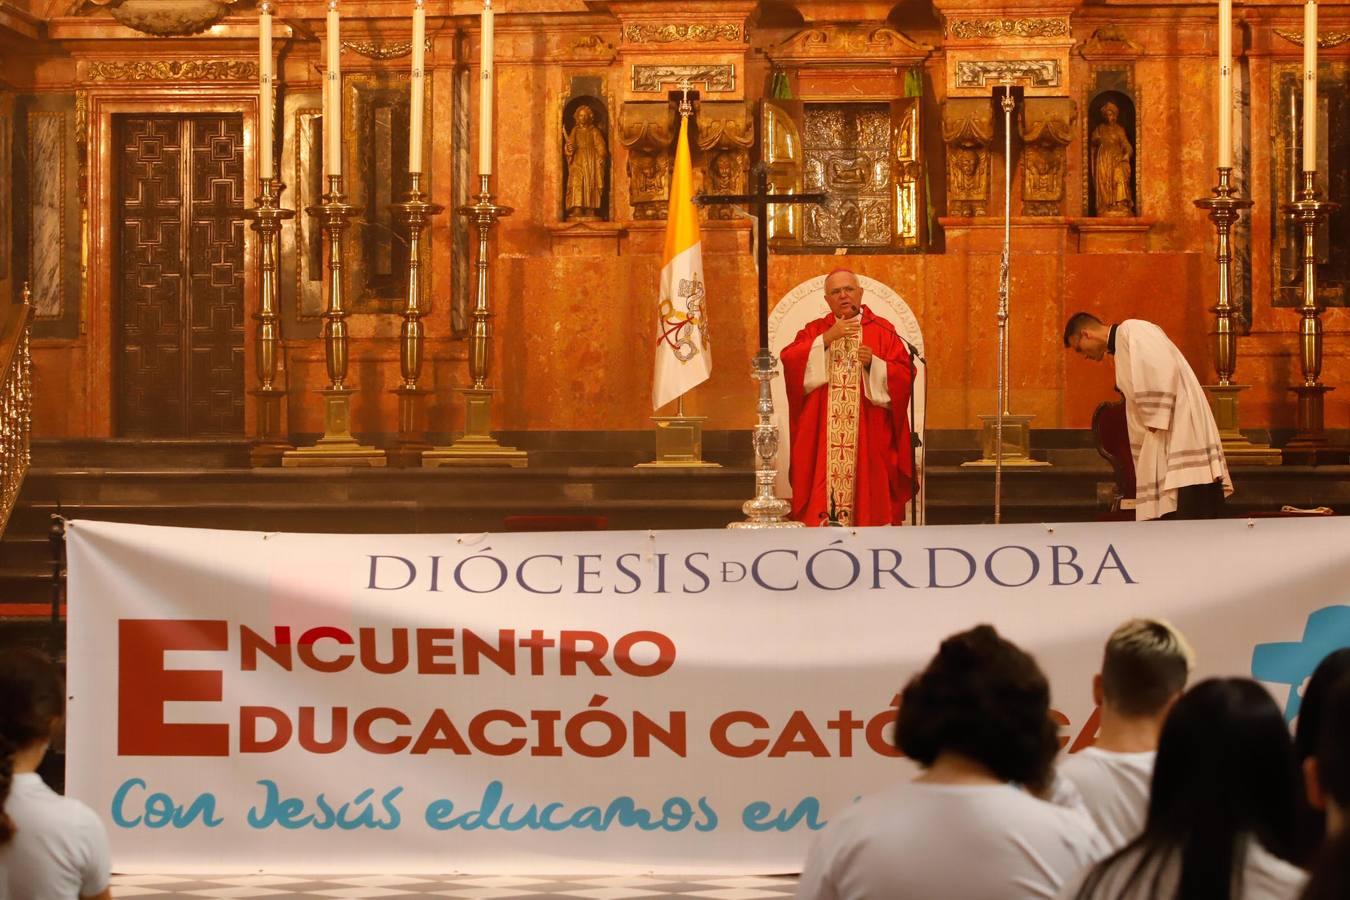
<point x="760" y="201"/>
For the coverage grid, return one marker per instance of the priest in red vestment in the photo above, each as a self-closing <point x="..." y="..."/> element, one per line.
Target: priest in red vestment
<point x="849" y="378"/>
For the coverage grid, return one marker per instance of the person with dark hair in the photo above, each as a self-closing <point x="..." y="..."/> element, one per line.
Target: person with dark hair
<point x="1144" y="670"/>
<point x="1330" y="878"/>
<point x="51" y="847"/>
<point x="1327" y="772"/>
<point x="1220" y="819"/>
<point x="1179" y="466"/>
<point x="1312" y="713"/>
<point x="977" y="720"/>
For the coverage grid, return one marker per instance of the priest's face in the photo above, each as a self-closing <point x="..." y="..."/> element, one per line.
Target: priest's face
<point x="844" y="295"/>
<point x="1091" y="343"/>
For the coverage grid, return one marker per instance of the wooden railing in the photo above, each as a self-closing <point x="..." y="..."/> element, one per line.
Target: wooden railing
<point x="16" y="402"/>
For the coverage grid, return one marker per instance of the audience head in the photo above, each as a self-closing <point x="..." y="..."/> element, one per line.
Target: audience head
<point x="984" y="699"/>
<point x="1331" y="872"/>
<point x="1331" y="763"/>
<point x="1144" y="669"/>
<point x="32" y="701"/>
<point x="1312" y="714"/>
<point x="1225" y="774"/>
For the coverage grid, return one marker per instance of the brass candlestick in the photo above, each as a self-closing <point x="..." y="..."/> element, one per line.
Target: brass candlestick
<point x="1224" y="208"/>
<point x="412" y="441"/>
<point x="1310" y="445"/>
<point x="337" y="447"/>
<point x="477" y="446"/>
<point x="267" y="216"/>
<point x="766" y="509"/>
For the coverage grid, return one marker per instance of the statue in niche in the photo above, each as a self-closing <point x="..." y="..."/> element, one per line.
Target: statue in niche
<point x="586" y="153"/>
<point x="1112" y="163"/>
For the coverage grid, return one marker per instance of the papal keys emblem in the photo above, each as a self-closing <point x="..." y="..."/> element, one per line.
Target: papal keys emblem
<point x="677" y="328"/>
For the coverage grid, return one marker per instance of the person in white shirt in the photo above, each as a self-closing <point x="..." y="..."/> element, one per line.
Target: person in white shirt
<point x="1220" y="821"/>
<point x="977" y="720"/>
<point x="1144" y="670"/>
<point x="51" y="847"/>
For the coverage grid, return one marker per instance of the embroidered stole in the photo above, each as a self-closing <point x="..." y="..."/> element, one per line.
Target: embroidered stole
<point x="842" y="412"/>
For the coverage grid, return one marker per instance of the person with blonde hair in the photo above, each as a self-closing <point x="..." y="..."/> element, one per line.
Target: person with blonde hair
<point x="51" y="847"/>
<point x="1144" y="670"/>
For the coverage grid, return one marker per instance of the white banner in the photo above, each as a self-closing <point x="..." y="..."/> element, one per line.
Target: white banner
<point x="675" y="702"/>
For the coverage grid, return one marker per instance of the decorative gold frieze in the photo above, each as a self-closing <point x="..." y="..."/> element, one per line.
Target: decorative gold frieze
<point x="851" y="43"/>
<point x="1036" y="73"/>
<point x="975" y="29"/>
<point x="1325" y="39"/>
<point x="374" y="50"/>
<point x="643" y="33"/>
<point x="173" y="70"/>
<point x="713" y="78"/>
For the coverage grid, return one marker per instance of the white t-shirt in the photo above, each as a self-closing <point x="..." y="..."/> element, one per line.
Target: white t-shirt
<point x="59" y="852"/>
<point x="922" y="841"/>
<point x="1264" y="877"/>
<point x="1112" y="787"/>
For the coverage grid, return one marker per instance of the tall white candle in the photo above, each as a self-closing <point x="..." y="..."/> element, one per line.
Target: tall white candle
<point x="265" y="90"/>
<point x="1310" y="87"/>
<point x="485" y="94"/>
<point x="1225" y="84"/>
<point x="332" y="113"/>
<point x="418" y="95"/>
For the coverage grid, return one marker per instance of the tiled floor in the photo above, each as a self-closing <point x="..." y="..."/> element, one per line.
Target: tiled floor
<point x="473" y="887"/>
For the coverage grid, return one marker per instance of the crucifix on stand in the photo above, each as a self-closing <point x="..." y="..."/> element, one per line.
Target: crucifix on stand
<point x="766" y="509"/>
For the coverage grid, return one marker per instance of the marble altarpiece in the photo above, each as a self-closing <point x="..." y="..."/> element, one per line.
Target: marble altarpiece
<point x="884" y="105"/>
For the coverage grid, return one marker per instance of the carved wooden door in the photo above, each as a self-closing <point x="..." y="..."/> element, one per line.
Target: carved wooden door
<point x="180" y="315"/>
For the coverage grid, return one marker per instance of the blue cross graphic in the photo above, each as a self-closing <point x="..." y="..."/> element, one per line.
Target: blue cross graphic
<point x="1293" y="662"/>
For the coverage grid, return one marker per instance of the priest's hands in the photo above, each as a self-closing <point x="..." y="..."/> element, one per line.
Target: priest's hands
<point x="843" y="328"/>
<point x="865" y="355"/>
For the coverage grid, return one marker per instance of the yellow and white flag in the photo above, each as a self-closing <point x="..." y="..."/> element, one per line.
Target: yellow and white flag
<point x="682" y="353"/>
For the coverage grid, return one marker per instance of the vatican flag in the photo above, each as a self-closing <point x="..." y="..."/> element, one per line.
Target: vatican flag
<point x="682" y="356"/>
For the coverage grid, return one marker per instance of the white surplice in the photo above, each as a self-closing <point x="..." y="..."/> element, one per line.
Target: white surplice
<point x="1173" y="437"/>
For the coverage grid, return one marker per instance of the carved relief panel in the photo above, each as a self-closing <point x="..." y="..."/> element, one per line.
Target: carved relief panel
<point x="1045" y="127"/>
<point x="648" y="131"/>
<point x="967" y="129"/>
<point x="725" y="133"/>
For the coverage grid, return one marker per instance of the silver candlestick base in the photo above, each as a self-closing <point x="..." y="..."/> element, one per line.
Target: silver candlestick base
<point x="766" y="509"/>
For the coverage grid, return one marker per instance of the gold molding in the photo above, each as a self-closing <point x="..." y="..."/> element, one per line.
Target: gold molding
<point x="642" y="33"/>
<point x="173" y="70"/>
<point x="974" y="29"/>
<point x="848" y="43"/>
<point x="1325" y="39"/>
<point x="375" y="50"/>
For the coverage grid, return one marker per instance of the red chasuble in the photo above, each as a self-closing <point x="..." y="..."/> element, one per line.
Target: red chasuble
<point x="843" y="444"/>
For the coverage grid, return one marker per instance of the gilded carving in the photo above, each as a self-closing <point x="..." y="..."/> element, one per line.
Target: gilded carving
<point x="973" y="29"/>
<point x="1037" y="73"/>
<point x="173" y="70"/>
<point x="642" y="33"/>
<point x="1110" y="40"/>
<point x="648" y="131"/>
<point x="714" y="78"/>
<point x="967" y="129"/>
<point x="853" y="42"/>
<point x="375" y="50"/>
<point x="1046" y="127"/>
<point x="728" y="130"/>
<point x="847" y="155"/>
<point x="1325" y="39"/>
<point x="167" y="17"/>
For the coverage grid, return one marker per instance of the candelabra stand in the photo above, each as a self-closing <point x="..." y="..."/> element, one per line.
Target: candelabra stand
<point x="337" y="447"/>
<point x="766" y="509"/>
<point x="1310" y="445"/>
<point x="477" y="446"/>
<point x="1225" y="208"/>
<point x="267" y="216"/>
<point x="412" y="441"/>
